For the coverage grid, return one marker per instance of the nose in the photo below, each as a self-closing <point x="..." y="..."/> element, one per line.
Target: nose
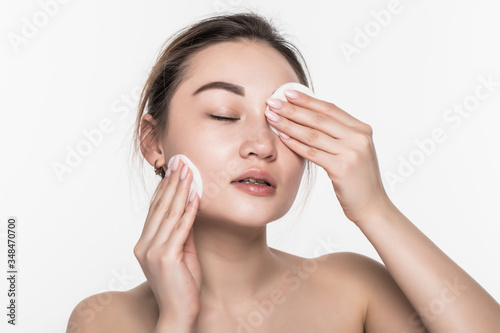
<point x="258" y="138"/>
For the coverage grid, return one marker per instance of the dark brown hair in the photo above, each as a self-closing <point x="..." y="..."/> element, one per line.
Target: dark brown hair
<point x="171" y="65"/>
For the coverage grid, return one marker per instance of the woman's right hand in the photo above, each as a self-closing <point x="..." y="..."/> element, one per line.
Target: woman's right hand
<point x="166" y="250"/>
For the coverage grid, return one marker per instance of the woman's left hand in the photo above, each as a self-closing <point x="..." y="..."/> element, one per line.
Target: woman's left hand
<point x="333" y="139"/>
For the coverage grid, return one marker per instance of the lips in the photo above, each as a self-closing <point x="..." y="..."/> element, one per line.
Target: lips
<point x="259" y="174"/>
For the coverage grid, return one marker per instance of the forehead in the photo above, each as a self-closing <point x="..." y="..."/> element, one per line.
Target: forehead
<point x="244" y="62"/>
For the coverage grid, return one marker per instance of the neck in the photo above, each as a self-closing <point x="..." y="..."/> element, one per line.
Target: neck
<point x="235" y="260"/>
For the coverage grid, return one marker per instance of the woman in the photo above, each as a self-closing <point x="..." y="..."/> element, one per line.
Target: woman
<point x="207" y="264"/>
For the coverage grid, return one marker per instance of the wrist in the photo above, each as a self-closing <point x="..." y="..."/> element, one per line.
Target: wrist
<point x="384" y="212"/>
<point x="167" y="324"/>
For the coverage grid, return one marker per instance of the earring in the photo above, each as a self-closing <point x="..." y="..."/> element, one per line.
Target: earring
<point x="159" y="170"/>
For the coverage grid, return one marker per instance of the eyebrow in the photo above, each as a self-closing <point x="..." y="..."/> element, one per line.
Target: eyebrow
<point x="231" y="87"/>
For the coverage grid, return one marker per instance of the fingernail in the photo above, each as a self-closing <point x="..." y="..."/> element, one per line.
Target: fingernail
<point x="291" y="93"/>
<point x="284" y="136"/>
<point x="191" y="197"/>
<point x="175" y="163"/>
<point x="275" y="103"/>
<point x="184" y="172"/>
<point x="271" y="115"/>
<point x="169" y="171"/>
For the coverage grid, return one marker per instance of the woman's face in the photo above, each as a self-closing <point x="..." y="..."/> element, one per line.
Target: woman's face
<point x="223" y="150"/>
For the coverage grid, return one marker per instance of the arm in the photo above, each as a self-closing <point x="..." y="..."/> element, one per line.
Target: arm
<point x="167" y="325"/>
<point x="445" y="297"/>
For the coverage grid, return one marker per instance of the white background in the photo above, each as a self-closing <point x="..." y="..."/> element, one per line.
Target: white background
<point x="88" y="58"/>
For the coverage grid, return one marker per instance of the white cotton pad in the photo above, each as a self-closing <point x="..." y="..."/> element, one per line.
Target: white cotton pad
<point x="278" y="94"/>
<point x="196" y="183"/>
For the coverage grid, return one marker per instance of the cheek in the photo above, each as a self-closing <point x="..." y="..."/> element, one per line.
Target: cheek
<point x="214" y="142"/>
<point x="295" y="161"/>
<point x="186" y="134"/>
<point x="213" y="155"/>
<point x="295" y="167"/>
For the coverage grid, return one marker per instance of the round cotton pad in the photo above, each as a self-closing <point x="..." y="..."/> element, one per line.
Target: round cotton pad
<point x="196" y="184"/>
<point x="280" y="95"/>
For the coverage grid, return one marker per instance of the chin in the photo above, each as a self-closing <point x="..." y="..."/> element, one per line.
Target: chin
<point x="241" y="214"/>
<point x="236" y="207"/>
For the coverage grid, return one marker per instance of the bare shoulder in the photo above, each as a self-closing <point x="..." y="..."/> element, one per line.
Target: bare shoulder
<point x="332" y="287"/>
<point x="385" y="306"/>
<point x="360" y="269"/>
<point x="131" y="311"/>
<point x="99" y="313"/>
<point x="350" y="275"/>
<point x="359" y="272"/>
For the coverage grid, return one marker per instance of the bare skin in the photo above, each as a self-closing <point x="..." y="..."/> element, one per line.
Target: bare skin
<point x="329" y="294"/>
<point x="343" y="292"/>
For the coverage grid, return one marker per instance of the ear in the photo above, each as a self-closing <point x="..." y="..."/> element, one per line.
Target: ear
<point x="150" y="145"/>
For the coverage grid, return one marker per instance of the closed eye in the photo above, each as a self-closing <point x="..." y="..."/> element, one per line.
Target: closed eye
<point x="224" y="119"/>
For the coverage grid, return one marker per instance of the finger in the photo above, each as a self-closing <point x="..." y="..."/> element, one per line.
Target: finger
<point x="170" y="180"/>
<point x="160" y="189"/>
<point x="176" y="209"/>
<point x="324" y="122"/>
<point x="309" y="136"/>
<point x="183" y="186"/>
<point x="160" y="205"/>
<point x="150" y="223"/>
<point x="189" y="246"/>
<point x="181" y="237"/>
<point x="327" y="108"/>
<point x="315" y="155"/>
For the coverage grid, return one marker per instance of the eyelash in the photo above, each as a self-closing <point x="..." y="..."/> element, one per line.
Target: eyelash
<point x="224" y="119"/>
